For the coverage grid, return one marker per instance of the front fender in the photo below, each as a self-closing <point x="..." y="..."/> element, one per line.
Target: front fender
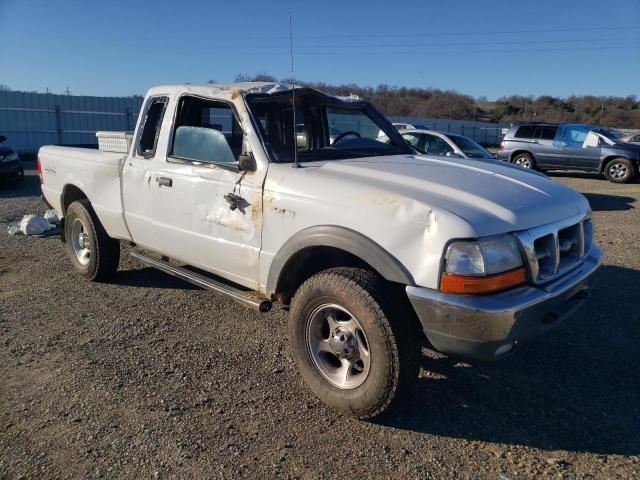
<point x="344" y="239"/>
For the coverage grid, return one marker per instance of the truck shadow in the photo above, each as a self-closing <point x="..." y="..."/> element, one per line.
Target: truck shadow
<point x="149" y="277"/>
<point x="609" y="203"/>
<point x="575" y="389"/>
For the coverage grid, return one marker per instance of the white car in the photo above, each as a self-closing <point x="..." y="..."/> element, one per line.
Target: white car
<point x="370" y="245"/>
<point x="441" y="144"/>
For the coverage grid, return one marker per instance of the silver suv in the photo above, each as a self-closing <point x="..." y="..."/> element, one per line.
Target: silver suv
<point x="547" y="146"/>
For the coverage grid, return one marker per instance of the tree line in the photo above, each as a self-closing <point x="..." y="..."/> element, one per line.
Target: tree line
<point x="620" y="112"/>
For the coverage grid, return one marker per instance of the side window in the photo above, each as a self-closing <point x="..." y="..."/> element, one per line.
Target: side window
<point x="574" y="136"/>
<point x="436" y="146"/>
<point x="525" y="131"/>
<point x="635" y="139"/>
<point x="413" y="139"/>
<point x="548" y="133"/>
<point x="206" y="131"/>
<point x="154" y="113"/>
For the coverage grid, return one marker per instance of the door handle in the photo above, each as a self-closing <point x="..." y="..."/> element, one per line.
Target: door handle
<point x="164" y="181"/>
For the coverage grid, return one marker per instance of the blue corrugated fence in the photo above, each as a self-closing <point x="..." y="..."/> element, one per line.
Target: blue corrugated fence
<point x="31" y="120"/>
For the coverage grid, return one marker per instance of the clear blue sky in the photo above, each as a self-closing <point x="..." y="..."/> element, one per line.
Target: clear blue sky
<point x="482" y="48"/>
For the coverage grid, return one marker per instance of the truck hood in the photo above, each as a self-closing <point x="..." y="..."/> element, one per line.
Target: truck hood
<point x="490" y="196"/>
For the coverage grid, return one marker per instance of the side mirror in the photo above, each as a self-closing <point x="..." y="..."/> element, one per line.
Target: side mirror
<point x="247" y="162"/>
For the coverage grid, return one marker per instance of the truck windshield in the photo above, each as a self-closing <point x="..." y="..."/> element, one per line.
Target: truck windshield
<point x="327" y="128"/>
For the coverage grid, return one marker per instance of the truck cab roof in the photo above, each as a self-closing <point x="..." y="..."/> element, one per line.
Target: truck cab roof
<point x="227" y="91"/>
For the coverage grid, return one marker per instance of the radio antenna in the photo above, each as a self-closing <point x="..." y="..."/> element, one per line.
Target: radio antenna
<point x="293" y="94"/>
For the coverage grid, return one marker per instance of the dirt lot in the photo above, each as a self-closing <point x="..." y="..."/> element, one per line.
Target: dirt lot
<point x="146" y="377"/>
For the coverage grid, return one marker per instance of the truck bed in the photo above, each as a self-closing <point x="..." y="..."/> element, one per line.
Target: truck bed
<point x="95" y="173"/>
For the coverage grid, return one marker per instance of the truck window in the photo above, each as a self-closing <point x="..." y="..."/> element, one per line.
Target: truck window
<point x="151" y="128"/>
<point x="206" y="131"/>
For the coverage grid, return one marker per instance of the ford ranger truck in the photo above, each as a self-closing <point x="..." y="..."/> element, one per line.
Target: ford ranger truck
<point x="368" y="244"/>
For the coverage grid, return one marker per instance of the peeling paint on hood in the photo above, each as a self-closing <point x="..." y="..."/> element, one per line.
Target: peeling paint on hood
<point x="492" y="198"/>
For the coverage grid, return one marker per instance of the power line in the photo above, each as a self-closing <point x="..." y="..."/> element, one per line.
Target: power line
<point x="447" y="52"/>
<point x="437" y="52"/>
<point x="448" y="34"/>
<point x="459" y="44"/>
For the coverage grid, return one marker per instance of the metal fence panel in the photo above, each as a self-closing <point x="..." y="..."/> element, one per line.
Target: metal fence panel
<point x="31" y="120"/>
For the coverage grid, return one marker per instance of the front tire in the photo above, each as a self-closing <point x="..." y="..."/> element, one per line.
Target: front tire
<point x="524" y="160"/>
<point x="357" y="350"/>
<point x="92" y="252"/>
<point x="620" y="170"/>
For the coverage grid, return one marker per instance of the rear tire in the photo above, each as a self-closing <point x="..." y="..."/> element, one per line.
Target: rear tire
<point x="620" y="170"/>
<point x="524" y="160"/>
<point x="356" y="347"/>
<point x="92" y="252"/>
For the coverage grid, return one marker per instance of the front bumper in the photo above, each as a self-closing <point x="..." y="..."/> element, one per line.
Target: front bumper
<point x="488" y="327"/>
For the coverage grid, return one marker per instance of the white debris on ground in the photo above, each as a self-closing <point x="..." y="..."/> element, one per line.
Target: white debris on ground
<point x="35" y="224"/>
<point x="52" y="216"/>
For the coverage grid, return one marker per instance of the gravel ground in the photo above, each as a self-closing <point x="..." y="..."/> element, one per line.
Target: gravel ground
<point x="147" y="377"/>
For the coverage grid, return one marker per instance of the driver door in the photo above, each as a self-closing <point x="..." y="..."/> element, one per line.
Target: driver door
<point x="195" y="221"/>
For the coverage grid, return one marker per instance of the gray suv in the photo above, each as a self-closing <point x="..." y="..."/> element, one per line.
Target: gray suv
<point x="547" y="146"/>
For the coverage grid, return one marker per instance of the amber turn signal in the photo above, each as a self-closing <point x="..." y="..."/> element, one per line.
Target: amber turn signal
<point x="483" y="285"/>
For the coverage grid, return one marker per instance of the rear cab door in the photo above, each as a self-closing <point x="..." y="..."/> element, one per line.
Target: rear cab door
<point x="138" y="172"/>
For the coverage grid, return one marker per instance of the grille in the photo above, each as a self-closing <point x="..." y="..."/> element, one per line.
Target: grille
<point x="552" y="250"/>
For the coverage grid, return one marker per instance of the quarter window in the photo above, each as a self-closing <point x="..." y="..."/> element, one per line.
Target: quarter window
<point x="151" y="129"/>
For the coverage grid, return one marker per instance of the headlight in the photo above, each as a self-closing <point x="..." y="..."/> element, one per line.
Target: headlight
<point x="10" y="158"/>
<point x="482" y="266"/>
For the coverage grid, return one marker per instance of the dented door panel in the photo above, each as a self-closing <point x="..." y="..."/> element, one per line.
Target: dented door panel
<point x="197" y="225"/>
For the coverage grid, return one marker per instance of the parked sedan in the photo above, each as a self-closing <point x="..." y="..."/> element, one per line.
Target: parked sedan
<point x="10" y="164"/>
<point x="441" y="144"/>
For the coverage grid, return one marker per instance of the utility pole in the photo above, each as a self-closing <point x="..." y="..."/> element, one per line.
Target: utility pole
<point x="67" y="91"/>
<point x="524" y="114"/>
<point x="601" y="112"/>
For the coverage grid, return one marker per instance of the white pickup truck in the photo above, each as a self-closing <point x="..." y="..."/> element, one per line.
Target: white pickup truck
<point x="368" y="243"/>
